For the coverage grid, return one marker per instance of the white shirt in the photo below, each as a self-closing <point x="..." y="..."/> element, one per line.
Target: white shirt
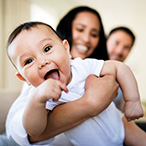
<point x="107" y="127"/>
<point x="80" y="70"/>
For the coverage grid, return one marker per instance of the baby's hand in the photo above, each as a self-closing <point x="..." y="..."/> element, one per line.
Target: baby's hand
<point x="50" y="89"/>
<point x="133" y="110"/>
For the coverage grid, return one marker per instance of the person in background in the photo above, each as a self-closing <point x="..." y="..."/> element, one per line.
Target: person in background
<point x="119" y="43"/>
<point x="83" y="28"/>
<point x="76" y="27"/>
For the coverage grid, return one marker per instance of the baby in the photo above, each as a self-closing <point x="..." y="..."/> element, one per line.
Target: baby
<point x="43" y="60"/>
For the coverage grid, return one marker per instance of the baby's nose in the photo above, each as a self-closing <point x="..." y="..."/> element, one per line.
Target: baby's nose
<point x="43" y="63"/>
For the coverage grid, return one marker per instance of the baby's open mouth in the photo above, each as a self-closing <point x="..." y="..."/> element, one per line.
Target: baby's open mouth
<point x="53" y="74"/>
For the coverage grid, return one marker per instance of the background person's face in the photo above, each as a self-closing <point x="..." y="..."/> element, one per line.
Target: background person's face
<point x="85" y="34"/>
<point x="119" y="45"/>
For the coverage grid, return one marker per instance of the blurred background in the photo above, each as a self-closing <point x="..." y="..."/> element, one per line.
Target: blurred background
<point x="131" y="13"/>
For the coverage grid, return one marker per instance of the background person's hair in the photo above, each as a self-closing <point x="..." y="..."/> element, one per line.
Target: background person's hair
<point x="64" y="30"/>
<point x="125" y="29"/>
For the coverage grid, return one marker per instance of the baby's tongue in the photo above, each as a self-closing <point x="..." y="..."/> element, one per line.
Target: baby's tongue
<point x="52" y="74"/>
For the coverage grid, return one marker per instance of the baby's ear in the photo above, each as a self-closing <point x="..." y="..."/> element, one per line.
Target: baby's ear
<point x="67" y="47"/>
<point x="21" y="77"/>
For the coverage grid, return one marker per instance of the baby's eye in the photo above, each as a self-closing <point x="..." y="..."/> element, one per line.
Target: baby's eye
<point x="47" y="48"/>
<point x="28" y="61"/>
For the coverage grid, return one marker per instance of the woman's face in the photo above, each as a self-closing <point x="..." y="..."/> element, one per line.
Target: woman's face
<point x="85" y="34"/>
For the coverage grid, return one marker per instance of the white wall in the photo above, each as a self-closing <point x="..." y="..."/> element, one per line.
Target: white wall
<point x="12" y="13"/>
<point x="130" y="13"/>
<point x="1" y="45"/>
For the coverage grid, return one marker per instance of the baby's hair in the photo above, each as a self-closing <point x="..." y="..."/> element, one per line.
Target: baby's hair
<point x="25" y="26"/>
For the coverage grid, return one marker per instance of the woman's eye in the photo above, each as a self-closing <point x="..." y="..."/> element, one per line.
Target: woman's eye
<point x="28" y="61"/>
<point x="47" y="48"/>
<point x="79" y="29"/>
<point x="94" y="35"/>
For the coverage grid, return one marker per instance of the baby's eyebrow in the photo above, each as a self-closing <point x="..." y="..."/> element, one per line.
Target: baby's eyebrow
<point x="46" y="39"/>
<point x="43" y="41"/>
<point x="20" y="58"/>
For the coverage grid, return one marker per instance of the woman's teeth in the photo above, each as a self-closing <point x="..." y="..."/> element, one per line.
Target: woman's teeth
<point x="82" y="48"/>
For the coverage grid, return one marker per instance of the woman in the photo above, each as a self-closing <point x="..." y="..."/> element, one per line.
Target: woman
<point x="79" y="22"/>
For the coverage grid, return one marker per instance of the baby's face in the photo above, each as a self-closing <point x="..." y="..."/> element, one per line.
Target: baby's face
<point x="39" y="55"/>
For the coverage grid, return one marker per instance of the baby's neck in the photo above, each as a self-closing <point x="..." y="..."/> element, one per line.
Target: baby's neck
<point x="70" y="78"/>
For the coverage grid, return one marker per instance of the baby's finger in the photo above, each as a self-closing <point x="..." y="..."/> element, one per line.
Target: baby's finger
<point x="62" y="86"/>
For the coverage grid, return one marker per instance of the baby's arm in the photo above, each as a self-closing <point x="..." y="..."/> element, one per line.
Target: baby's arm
<point x="128" y="84"/>
<point x="71" y="114"/>
<point x="35" y="115"/>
